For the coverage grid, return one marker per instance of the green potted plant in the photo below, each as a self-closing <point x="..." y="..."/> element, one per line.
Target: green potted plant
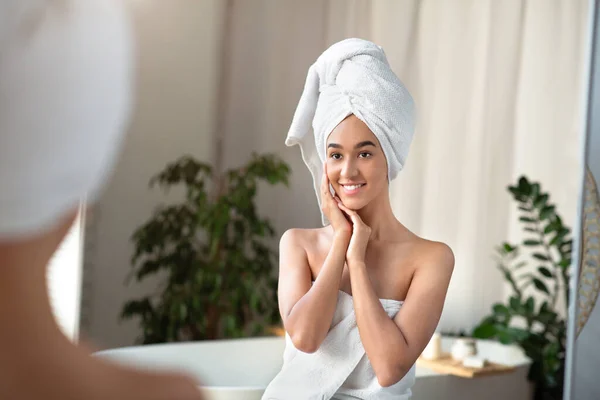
<point x="218" y="275"/>
<point x="540" y="263"/>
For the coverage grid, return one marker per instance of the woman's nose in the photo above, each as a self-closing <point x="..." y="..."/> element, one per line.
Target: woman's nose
<point x="349" y="169"/>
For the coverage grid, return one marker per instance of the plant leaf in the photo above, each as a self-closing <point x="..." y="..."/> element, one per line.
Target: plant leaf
<point x="541" y="286"/>
<point x="545" y="271"/>
<point x="540" y="201"/>
<point x="519" y="265"/>
<point x="508" y="247"/>
<point x="546" y="212"/>
<point x="529" y="305"/>
<point x="524" y="186"/>
<point x="510" y="335"/>
<point x="551" y="227"/>
<point x="514" y="191"/>
<point x="541" y="256"/>
<point x="557" y="239"/>
<point x="515" y="304"/>
<point x="485" y="331"/>
<point x="501" y="310"/>
<point x="531" y="242"/>
<point x="535" y="190"/>
<point x="565" y="263"/>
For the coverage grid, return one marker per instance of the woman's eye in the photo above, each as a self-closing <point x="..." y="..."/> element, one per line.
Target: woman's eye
<point x="365" y="155"/>
<point x="336" y="156"/>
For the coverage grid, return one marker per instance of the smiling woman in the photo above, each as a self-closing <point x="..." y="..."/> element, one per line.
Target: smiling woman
<point x="360" y="297"/>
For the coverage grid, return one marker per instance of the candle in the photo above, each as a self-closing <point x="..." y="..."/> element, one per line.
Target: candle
<point x="433" y="350"/>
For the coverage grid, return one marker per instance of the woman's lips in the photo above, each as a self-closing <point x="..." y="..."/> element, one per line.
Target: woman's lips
<point x="352" y="189"/>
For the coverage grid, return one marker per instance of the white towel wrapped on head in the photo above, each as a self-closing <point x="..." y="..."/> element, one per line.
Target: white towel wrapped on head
<point x="352" y="77"/>
<point x="65" y="99"/>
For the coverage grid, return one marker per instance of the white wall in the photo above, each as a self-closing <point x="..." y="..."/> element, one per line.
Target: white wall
<point x="174" y="115"/>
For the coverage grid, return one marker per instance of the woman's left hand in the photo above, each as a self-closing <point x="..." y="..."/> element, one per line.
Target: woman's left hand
<point x="360" y="237"/>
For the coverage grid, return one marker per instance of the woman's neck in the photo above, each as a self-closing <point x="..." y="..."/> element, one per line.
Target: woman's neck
<point x="379" y="216"/>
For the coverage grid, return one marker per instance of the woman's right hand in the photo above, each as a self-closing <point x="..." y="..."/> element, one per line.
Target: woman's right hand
<point x="341" y="225"/>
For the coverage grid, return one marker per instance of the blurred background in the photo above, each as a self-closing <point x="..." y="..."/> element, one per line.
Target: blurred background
<point x="499" y="95"/>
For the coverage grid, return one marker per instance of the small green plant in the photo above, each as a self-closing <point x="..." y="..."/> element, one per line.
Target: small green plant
<point x="548" y="249"/>
<point x="218" y="271"/>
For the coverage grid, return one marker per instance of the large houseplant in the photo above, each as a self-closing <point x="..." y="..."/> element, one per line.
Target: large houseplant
<point x="540" y="263"/>
<point x="216" y="269"/>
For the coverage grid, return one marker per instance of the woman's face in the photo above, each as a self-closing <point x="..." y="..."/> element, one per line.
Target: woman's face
<point x="356" y="165"/>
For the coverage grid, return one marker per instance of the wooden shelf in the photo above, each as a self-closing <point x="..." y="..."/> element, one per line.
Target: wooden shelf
<point x="447" y="365"/>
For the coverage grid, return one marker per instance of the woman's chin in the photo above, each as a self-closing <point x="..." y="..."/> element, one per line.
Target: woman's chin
<point x="353" y="204"/>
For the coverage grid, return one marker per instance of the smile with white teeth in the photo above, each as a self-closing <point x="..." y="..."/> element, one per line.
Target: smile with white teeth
<point x="352" y="187"/>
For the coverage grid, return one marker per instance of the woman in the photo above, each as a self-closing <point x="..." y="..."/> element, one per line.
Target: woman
<point x="65" y="99"/>
<point x="361" y="297"/>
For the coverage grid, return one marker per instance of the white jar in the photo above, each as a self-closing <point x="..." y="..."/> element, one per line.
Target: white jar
<point x="462" y="348"/>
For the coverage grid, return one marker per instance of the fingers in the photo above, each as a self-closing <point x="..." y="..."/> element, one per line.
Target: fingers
<point x="325" y="182"/>
<point x="342" y="209"/>
<point x="346" y="209"/>
<point x="356" y="219"/>
<point x="352" y="214"/>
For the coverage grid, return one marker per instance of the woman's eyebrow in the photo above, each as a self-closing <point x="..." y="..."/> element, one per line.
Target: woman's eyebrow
<point x="358" y="145"/>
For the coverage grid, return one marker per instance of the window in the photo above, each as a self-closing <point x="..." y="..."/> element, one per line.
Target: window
<point x="64" y="279"/>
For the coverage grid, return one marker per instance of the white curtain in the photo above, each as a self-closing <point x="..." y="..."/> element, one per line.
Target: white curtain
<point x="497" y="87"/>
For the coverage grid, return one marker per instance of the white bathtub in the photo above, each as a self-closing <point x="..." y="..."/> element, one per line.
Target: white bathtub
<point x="241" y="369"/>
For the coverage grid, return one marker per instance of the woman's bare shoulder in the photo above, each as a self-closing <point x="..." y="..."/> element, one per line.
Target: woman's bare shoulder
<point x="431" y="252"/>
<point x="303" y="237"/>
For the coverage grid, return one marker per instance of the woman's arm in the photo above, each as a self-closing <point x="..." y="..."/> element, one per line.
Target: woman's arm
<point x="393" y="346"/>
<point x="307" y="310"/>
